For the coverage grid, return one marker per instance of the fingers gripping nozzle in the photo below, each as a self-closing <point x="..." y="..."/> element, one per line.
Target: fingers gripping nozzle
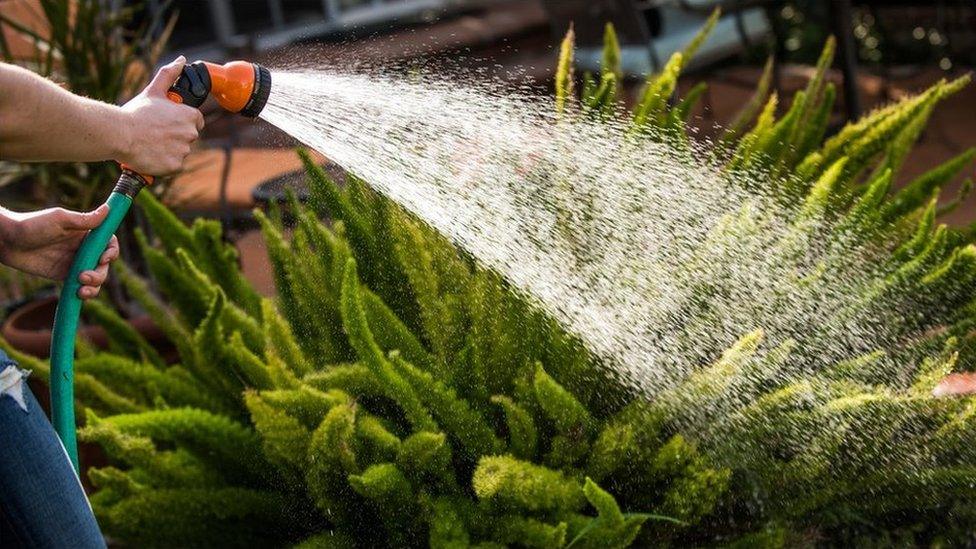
<point x="239" y="86"/>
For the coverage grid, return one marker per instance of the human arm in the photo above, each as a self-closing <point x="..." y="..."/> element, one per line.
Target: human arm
<point x="39" y="121"/>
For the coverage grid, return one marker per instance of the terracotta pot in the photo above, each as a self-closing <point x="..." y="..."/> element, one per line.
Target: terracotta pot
<point x="28" y="328"/>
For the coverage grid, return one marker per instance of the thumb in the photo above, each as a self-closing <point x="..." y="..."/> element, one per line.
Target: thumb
<point x="86" y="220"/>
<point x="166" y="77"/>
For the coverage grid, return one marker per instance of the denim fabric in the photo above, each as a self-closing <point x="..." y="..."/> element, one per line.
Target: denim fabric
<point x="42" y="501"/>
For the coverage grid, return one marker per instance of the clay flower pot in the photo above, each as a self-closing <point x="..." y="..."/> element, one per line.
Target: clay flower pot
<point x="28" y="328"/>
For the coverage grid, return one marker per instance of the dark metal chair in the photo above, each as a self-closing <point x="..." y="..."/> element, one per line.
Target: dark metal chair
<point x="650" y="31"/>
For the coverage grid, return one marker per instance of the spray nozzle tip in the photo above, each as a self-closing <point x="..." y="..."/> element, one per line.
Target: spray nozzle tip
<point x="259" y="96"/>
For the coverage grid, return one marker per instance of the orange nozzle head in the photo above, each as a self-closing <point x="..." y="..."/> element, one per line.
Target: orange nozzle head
<point x="238" y="86"/>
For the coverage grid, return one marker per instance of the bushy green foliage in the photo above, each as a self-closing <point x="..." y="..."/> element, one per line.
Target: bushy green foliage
<point x="380" y="429"/>
<point x="856" y="451"/>
<point x="395" y="394"/>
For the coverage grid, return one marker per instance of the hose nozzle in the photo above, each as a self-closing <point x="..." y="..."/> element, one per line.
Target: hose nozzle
<point x="239" y="86"/>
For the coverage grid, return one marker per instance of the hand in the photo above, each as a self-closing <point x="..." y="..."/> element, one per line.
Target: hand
<point x="44" y="243"/>
<point x="160" y="131"/>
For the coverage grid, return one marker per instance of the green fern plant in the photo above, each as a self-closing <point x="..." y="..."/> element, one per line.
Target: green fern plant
<point x="365" y="431"/>
<point x="396" y="394"/>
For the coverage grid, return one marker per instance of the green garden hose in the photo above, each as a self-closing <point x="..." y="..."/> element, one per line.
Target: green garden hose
<point x="69" y="309"/>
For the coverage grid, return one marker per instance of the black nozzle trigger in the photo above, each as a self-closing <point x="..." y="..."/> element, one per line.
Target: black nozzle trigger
<point x="193" y="85"/>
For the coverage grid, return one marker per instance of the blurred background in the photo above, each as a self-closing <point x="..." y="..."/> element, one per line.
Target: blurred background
<point x="108" y="48"/>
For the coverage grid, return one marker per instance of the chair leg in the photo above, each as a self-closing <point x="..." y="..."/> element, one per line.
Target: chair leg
<point x="840" y="16"/>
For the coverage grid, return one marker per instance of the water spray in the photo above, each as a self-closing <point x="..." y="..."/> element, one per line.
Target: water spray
<point x="239" y="87"/>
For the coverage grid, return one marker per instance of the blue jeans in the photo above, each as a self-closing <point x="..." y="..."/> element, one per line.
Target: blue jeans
<point x="42" y="501"/>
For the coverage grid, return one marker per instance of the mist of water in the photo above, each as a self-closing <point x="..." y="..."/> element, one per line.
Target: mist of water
<point x="654" y="257"/>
